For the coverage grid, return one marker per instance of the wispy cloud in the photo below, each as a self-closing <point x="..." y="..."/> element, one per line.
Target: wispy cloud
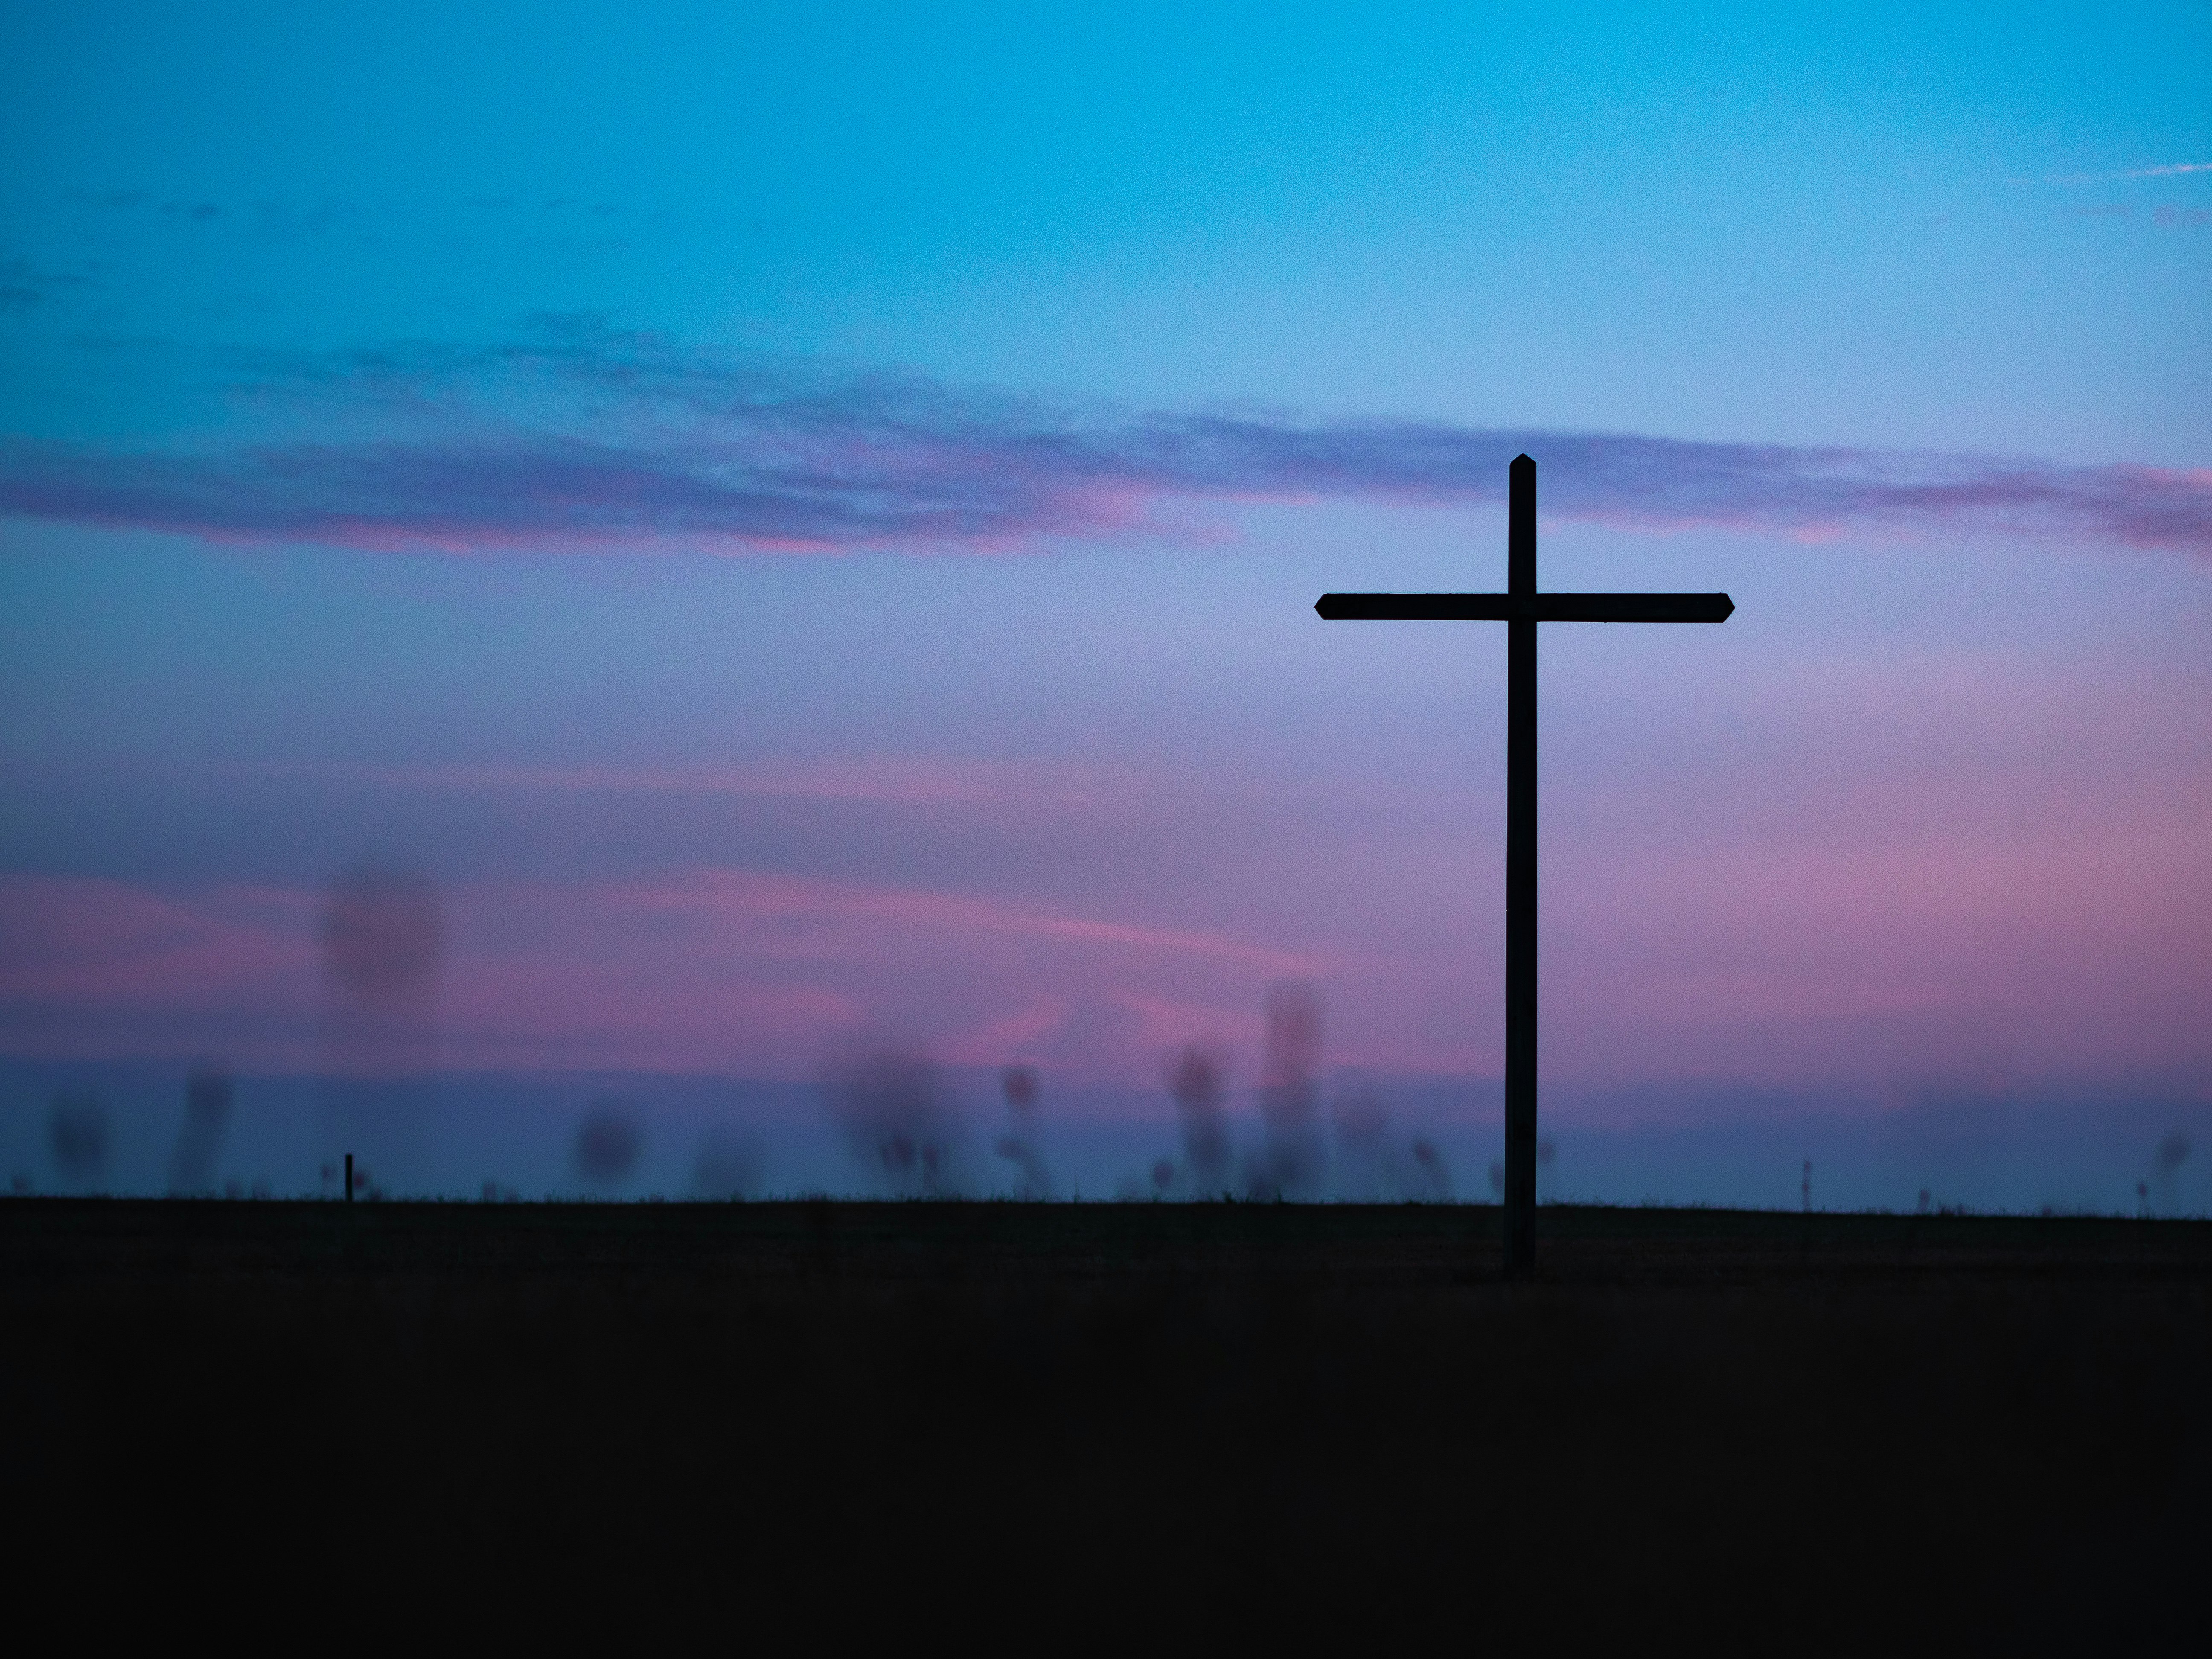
<point x="588" y="437"/>
<point x="919" y="781"/>
<point x="690" y="970"/>
<point x="2171" y="171"/>
<point x="23" y="284"/>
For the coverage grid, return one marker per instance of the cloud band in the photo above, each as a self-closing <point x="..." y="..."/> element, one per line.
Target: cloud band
<point x="597" y="439"/>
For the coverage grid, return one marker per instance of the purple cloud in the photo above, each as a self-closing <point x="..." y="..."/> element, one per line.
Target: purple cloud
<point x="588" y="436"/>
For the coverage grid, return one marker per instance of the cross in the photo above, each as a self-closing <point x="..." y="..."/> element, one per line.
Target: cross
<point x="1520" y="607"/>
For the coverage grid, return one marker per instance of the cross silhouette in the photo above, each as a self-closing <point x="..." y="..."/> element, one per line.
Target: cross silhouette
<point x="1520" y="607"/>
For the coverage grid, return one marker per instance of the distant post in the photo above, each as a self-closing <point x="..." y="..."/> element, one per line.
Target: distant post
<point x="1520" y="607"/>
<point x="349" y="1177"/>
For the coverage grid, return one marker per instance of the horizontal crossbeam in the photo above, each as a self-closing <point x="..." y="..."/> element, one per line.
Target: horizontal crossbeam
<point x="1537" y="607"/>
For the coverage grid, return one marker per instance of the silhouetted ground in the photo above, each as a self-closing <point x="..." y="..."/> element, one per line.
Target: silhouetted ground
<point x="1156" y="1420"/>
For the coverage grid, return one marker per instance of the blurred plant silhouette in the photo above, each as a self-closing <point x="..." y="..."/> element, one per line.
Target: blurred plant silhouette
<point x="76" y="1135"/>
<point x="607" y="1146"/>
<point x="1019" y="1146"/>
<point x="1194" y="1081"/>
<point x="199" y="1140"/>
<point x="890" y="1102"/>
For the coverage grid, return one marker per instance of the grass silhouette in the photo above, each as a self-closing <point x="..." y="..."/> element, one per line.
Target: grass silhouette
<point x="1257" y="1415"/>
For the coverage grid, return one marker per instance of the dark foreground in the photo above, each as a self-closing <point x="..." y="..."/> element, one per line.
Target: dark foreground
<point x="1155" y="1420"/>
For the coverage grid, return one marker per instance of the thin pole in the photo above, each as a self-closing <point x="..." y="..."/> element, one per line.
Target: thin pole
<point x="1521" y="878"/>
<point x="349" y="1177"/>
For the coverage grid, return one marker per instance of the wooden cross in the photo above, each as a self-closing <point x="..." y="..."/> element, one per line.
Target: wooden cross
<point x="1520" y="607"/>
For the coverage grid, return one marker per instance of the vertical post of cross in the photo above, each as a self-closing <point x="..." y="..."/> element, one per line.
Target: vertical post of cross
<point x="1521" y="872"/>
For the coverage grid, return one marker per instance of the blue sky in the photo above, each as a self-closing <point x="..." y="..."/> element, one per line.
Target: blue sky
<point x="1719" y="224"/>
<point x="804" y="520"/>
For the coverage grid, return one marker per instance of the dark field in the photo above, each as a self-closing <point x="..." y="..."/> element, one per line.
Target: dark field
<point x="1128" y="1418"/>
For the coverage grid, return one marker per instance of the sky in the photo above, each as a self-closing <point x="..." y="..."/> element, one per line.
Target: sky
<point x="756" y="530"/>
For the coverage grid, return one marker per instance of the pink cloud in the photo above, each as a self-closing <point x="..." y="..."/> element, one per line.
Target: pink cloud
<point x="886" y="779"/>
<point x="1853" y="889"/>
<point x="712" y="970"/>
<point x="2066" y="950"/>
<point x="78" y="938"/>
<point x="2072" y="942"/>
